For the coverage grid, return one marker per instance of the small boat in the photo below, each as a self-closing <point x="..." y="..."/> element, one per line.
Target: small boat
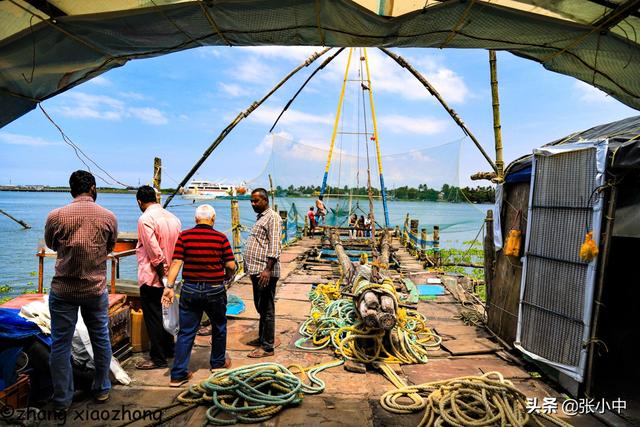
<point x="208" y="190"/>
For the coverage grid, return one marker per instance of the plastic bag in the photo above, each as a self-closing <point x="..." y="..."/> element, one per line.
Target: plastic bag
<point x="171" y="314"/>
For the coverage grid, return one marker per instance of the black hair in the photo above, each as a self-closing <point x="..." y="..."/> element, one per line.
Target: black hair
<point x="311" y="208"/>
<point x="320" y="197"/>
<point x="262" y="192"/>
<point x="146" y="194"/>
<point x="81" y="182"/>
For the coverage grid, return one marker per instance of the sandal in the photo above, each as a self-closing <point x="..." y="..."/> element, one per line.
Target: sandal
<point x="255" y="343"/>
<point x="147" y="364"/>
<point x="204" y="331"/>
<point x="259" y="352"/>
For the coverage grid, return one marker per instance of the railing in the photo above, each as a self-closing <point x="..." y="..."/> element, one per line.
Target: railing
<point x="113" y="256"/>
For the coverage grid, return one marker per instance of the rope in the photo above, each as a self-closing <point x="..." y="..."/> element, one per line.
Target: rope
<point x="334" y="321"/>
<point x="253" y="393"/>
<point x="473" y="401"/>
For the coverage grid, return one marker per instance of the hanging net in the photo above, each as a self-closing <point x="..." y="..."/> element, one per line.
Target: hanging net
<point x="297" y="170"/>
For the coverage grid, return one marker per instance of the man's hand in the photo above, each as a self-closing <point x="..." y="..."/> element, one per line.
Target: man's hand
<point x="264" y="277"/>
<point x="167" y="297"/>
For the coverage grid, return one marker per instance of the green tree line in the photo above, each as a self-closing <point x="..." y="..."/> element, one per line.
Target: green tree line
<point x="448" y="193"/>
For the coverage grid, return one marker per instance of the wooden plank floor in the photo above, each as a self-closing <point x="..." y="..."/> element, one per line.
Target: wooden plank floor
<point x="350" y="399"/>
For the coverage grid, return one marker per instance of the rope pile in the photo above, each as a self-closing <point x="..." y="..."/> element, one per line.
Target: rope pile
<point x="335" y="322"/>
<point x="254" y="393"/>
<point x="486" y="400"/>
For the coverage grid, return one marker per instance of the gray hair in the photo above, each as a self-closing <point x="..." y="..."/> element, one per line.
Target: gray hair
<point x="205" y="212"/>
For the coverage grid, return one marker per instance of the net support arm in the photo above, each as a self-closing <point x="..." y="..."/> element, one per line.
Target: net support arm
<point x="226" y="131"/>
<point x="404" y="64"/>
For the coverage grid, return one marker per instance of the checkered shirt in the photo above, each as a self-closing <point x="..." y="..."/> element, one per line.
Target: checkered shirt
<point x="263" y="243"/>
<point x="82" y="233"/>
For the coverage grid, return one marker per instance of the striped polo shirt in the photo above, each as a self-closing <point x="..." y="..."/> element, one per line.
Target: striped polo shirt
<point x="204" y="252"/>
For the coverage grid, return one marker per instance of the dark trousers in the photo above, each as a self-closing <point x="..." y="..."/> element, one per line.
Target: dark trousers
<point x="196" y="299"/>
<point x="265" y="302"/>
<point x="161" y="344"/>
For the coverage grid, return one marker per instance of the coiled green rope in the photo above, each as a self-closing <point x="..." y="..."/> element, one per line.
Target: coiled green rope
<point x="254" y="393"/>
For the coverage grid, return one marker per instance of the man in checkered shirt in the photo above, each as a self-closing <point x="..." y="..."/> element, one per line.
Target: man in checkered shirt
<point x="262" y="263"/>
<point x="82" y="233"/>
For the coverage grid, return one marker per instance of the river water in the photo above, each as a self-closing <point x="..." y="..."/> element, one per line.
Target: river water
<point x="458" y="222"/>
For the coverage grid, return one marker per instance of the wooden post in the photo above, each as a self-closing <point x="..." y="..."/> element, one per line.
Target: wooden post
<point x="285" y="225"/>
<point x="114" y="266"/>
<point x="496" y="115"/>
<point x="157" y="177"/>
<point x="235" y="234"/>
<point x="436" y="243"/>
<point x="489" y="256"/>
<point x="396" y="232"/>
<point x="41" y="270"/>
<point x="305" y="230"/>
<point x="22" y="223"/>
<point x="423" y="243"/>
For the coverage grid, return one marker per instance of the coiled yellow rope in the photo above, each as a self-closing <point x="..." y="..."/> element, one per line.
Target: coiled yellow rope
<point x="333" y="321"/>
<point x="473" y="401"/>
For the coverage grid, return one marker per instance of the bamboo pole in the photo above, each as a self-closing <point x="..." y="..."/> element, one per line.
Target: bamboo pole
<point x="495" y="102"/>
<point x="22" y="223"/>
<point x="226" y="131"/>
<point x="157" y="177"/>
<point x="235" y="234"/>
<point x="404" y="64"/>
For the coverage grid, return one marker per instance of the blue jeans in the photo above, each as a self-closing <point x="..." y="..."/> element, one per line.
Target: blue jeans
<point x="194" y="300"/>
<point x="64" y="315"/>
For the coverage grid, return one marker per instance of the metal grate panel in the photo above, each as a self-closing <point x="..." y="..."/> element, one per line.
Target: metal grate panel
<point x="557" y="285"/>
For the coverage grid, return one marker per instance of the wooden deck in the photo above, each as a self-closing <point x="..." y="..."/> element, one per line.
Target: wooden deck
<point x="350" y="399"/>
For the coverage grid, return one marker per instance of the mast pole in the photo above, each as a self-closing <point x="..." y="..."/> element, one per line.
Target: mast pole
<point x="323" y="189"/>
<point x="383" y="192"/>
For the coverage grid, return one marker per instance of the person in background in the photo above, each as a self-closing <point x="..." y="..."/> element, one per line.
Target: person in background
<point x="206" y="259"/>
<point x="158" y="230"/>
<point x="83" y="234"/>
<point x="262" y="263"/>
<point x="312" y="219"/>
<point x="353" y="221"/>
<point x="367" y="226"/>
<point x="360" y="226"/>
<point x="321" y="210"/>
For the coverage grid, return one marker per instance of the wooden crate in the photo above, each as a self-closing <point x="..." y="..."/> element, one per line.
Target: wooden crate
<point x="17" y="394"/>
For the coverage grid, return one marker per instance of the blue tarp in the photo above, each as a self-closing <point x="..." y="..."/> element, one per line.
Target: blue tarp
<point x="13" y="330"/>
<point x="523" y="175"/>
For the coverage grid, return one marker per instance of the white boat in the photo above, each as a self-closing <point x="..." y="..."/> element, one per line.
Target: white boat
<point x="208" y="190"/>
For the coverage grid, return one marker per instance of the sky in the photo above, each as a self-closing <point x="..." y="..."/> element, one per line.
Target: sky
<point x="174" y="106"/>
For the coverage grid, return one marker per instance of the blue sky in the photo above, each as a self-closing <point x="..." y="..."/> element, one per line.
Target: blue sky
<point x="174" y="106"/>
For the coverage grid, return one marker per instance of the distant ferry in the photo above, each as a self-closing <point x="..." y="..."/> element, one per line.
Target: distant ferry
<point x="208" y="190"/>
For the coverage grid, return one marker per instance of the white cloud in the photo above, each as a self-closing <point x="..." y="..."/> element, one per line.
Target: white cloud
<point x="149" y="115"/>
<point x="387" y="76"/>
<point x="590" y="94"/>
<point x="253" y="70"/>
<point x="419" y="125"/>
<point x="33" y="141"/>
<point x="268" y="115"/>
<point x="289" y="53"/>
<point x="84" y="105"/>
<point x="233" y="90"/>
<point x="100" y="81"/>
<point x="132" y="95"/>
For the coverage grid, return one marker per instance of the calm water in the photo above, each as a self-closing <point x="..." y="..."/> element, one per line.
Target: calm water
<point x="19" y="265"/>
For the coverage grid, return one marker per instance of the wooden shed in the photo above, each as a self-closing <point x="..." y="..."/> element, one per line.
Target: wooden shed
<point x="572" y="315"/>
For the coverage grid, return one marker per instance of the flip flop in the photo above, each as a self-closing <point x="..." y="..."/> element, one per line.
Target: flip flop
<point x="259" y="352"/>
<point x="146" y="365"/>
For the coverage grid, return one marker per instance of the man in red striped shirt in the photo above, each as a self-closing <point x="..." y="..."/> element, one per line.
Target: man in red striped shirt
<point x="206" y="259"/>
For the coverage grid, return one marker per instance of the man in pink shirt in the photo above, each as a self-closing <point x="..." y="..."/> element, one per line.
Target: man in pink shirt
<point x="158" y="231"/>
